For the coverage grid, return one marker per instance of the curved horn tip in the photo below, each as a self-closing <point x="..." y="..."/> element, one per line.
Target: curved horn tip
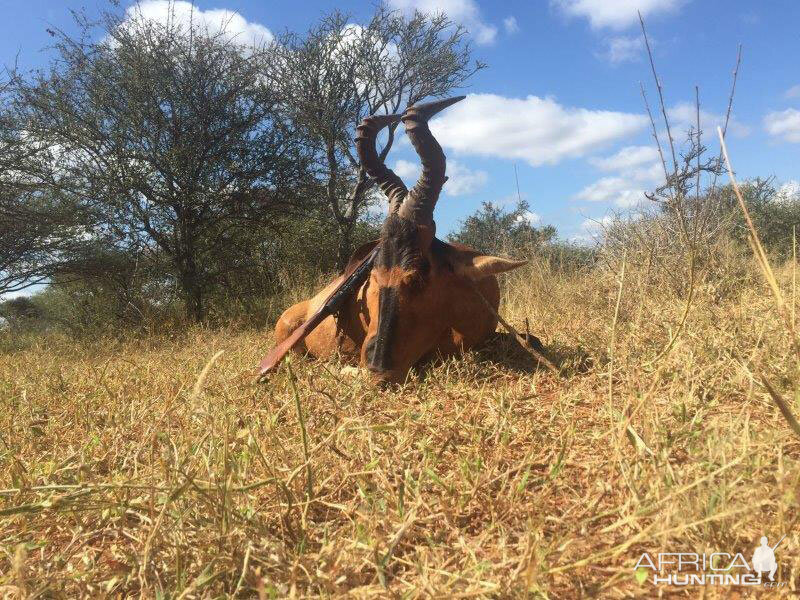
<point x="427" y="110"/>
<point x="381" y="121"/>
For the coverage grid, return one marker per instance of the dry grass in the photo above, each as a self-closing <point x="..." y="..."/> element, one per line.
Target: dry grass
<point x="141" y="467"/>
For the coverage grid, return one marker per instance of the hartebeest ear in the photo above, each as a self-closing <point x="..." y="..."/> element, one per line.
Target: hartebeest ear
<point x="478" y="266"/>
<point x="359" y="255"/>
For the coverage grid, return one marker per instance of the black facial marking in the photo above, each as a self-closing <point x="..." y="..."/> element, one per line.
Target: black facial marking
<point x="379" y="347"/>
<point x="400" y="246"/>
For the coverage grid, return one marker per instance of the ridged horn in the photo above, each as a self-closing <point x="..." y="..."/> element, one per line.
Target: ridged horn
<point x="421" y="199"/>
<point x="387" y="180"/>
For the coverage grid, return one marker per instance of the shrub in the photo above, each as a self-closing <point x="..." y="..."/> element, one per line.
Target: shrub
<point x="494" y="230"/>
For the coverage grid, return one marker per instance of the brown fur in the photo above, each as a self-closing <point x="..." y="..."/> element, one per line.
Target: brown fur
<point x="435" y="310"/>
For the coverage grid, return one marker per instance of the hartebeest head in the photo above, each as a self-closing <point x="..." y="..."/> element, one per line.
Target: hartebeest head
<point x="418" y="283"/>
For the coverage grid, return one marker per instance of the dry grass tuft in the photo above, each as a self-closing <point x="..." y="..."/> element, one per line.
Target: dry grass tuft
<point x="155" y="467"/>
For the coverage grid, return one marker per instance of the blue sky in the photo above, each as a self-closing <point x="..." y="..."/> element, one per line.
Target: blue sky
<point x="560" y="98"/>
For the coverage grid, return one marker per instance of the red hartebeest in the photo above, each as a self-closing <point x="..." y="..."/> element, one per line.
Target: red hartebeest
<point x="420" y="299"/>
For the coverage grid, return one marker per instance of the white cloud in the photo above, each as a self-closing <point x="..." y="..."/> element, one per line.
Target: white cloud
<point x="531" y="218"/>
<point x="465" y="12"/>
<point x="650" y="175"/>
<point x="684" y="115"/>
<point x="792" y="92"/>
<point x="624" y="49"/>
<point x="379" y="209"/>
<point x="461" y="179"/>
<point x="407" y="170"/>
<point x="784" y="124"/>
<point x="510" y="200"/>
<point x="214" y="20"/>
<point x="596" y="225"/>
<point x="638" y="169"/>
<point x="626" y="158"/>
<point x="536" y="130"/>
<point x="612" y="189"/>
<point x="750" y="18"/>
<point x="510" y="25"/>
<point x="590" y="230"/>
<point x="615" y="14"/>
<point x="594" y="229"/>
<point x="20" y="294"/>
<point x="789" y="191"/>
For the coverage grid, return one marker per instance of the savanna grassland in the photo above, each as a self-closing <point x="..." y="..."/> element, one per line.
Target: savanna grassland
<point x="154" y="466"/>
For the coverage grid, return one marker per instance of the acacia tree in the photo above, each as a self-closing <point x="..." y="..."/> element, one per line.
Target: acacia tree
<point x="37" y="237"/>
<point x="339" y="72"/>
<point x="36" y="228"/>
<point x="169" y="135"/>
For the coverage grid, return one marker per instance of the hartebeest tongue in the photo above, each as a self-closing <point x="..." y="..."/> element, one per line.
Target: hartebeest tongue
<point x="421" y="199"/>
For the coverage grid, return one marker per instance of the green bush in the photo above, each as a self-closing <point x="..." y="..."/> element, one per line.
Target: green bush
<point x="494" y="230"/>
<point x="775" y="214"/>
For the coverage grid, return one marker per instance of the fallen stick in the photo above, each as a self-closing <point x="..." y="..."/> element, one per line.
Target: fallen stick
<point x="523" y="342"/>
